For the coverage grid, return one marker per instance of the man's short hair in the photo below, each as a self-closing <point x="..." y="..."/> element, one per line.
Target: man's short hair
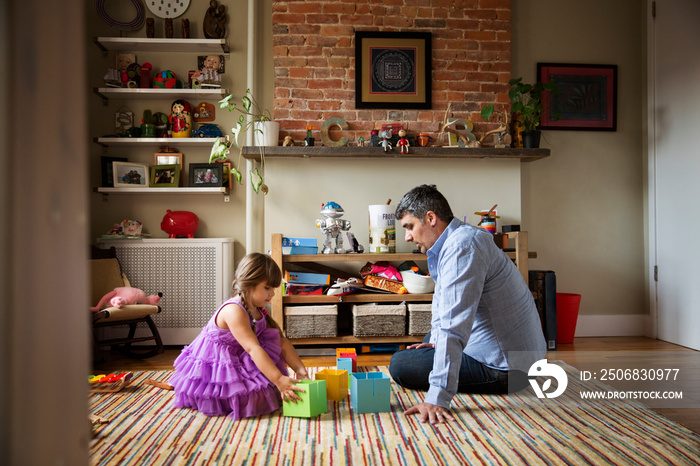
<point x="420" y="200"/>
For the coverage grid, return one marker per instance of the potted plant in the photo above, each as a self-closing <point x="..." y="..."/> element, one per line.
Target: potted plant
<point x="148" y="124"/>
<point x="526" y="102"/>
<point x="266" y="132"/>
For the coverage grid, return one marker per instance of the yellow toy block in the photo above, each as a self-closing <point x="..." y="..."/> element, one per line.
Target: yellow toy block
<point x="336" y="383"/>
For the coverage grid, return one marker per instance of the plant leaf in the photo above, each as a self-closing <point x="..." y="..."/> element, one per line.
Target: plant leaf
<point x="487" y="112"/>
<point x="256" y="180"/>
<point x="237" y="175"/>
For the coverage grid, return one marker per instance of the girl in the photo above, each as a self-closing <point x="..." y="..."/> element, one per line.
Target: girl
<point x="237" y="364"/>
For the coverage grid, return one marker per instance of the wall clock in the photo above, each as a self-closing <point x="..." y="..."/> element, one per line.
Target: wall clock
<point x="167" y="8"/>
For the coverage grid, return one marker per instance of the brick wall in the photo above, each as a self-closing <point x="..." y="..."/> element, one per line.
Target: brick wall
<point x="314" y="60"/>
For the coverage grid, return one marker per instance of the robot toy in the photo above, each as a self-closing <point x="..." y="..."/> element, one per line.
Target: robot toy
<point x="332" y="226"/>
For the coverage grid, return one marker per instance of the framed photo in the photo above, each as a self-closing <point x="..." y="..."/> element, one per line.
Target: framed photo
<point x="165" y="176"/>
<point x="167" y="158"/>
<point x="587" y="98"/>
<point x="130" y="175"/>
<point x="206" y="175"/>
<point x="108" y="171"/>
<point x="393" y="69"/>
<point x="227" y="175"/>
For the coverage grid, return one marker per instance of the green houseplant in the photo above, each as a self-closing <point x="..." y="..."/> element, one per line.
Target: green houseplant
<point x="249" y="107"/>
<point x="526" y="102"/>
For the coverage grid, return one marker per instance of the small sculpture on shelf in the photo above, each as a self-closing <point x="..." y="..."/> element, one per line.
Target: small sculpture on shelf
<point x="403" y="142"/>
<point x="332" y="226"/>
<point x="386" y="136"/>
<point x="181" y="119"/>
<point x="215" y="21"/>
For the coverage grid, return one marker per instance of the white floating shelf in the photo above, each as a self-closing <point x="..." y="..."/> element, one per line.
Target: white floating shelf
<point x="162" y="45"/>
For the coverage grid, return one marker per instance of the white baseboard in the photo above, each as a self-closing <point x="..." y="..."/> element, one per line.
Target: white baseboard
<point x="624" y="325"/>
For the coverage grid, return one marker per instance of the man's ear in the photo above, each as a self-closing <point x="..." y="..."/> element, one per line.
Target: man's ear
<point x="431" y="218"/>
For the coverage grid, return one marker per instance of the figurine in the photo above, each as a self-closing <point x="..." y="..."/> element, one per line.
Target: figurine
<point x="403" y="142"/>
<point x="361" y="141"/>
<point x="181" y="119"/>
<point x="332" y="226"/>
<point x="288" y="141"/>
<point x="386" y="135"/>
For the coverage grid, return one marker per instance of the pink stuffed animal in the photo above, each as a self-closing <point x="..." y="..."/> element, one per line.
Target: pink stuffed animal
<point x="125" y="295"/>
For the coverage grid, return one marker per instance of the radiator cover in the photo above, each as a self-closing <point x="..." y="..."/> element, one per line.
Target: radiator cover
<point x="194" y="275"/>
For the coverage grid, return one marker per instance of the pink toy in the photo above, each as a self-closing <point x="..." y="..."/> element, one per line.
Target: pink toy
<point x="125" y="295"/>
<point x="180" y="223"/>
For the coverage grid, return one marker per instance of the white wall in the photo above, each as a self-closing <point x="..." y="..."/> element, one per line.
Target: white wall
<point x="584" y="205"/>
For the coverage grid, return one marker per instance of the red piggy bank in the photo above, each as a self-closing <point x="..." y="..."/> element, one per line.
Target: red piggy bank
<point x="180" y="223"/>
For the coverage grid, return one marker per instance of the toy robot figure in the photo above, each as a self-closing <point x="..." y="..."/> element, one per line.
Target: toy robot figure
<point x="332" y="226"/>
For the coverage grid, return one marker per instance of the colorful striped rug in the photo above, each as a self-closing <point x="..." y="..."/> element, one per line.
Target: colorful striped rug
<point x="488" y="430"/>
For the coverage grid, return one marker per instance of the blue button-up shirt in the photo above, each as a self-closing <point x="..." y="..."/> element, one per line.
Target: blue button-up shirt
<point x="481" y="307"/>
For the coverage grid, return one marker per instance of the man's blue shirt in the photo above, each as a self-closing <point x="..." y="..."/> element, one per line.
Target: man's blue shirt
<point x="481" y="307"/>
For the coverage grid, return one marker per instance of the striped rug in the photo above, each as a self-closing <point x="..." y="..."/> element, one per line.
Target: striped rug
<point x="488" y="430"/>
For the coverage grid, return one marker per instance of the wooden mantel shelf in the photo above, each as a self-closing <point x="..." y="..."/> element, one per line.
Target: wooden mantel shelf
<point x="525" y="155"/>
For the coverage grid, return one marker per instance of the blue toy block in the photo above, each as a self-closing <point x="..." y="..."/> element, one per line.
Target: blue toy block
<point x="313" y="400"/>
<point x="344" y="364"/>
<point x="370" y="392"/>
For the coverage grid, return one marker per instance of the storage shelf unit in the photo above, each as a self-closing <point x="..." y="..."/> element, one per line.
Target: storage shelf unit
<point x="520" y="255"/>
<point x="525" y="155"/>
<point x="138" y="142"/>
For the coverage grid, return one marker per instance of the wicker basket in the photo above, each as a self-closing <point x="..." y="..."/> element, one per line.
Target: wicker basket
<point x="311" y="321"/>
<point x="419" y="317"/>
<point x="379" y="320"/>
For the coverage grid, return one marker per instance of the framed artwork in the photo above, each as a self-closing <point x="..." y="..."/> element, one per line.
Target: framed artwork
<point x="587" y="98"/>
<point x="130" y="175"/>
<point x="165" y="176"/>
<point x="393" y="69"/>
<point x="206" y="175"/>
<point x="167" y="158"/>
<point x="108" y="171"/>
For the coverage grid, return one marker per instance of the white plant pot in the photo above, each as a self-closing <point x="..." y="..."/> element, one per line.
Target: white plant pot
<point x="270" y="133"/>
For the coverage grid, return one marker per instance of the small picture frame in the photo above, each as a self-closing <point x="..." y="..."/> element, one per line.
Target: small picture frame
<point x="130" y="175"/>
<point x="227" y="174"/>
<point x="108" y="171"/>
<point x="167" y="158"/>
<point x="165" y="176"/>
<point x="206" y="175"/>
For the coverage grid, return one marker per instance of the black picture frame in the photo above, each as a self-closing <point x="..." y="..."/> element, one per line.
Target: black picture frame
<point x="587" y="97"/>
<point x="393" y="70"/>
<point x="199" y="175"/>
<point x="108" y="170"/>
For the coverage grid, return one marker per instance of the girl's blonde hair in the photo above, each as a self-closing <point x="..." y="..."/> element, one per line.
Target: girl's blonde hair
<point x="256" y="268"/>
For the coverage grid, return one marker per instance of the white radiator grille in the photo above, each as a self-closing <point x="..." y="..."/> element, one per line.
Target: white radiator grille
<point x="194" y="276"/>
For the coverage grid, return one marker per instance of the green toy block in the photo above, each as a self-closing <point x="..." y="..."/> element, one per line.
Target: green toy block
<point x="313" y="400"/>
<point x="370" y="392"/>
<point x="336" y="383"/>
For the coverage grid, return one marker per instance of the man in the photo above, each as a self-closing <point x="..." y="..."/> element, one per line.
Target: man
<point x="485" y="326"/>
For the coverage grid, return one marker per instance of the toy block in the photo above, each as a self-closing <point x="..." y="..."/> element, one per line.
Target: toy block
<point x="336" y="383"/>
<point x="313" y="400"/>
<point x="344" y="364"/>
<point x="370" y="392"/>
<point x="348" y="353"/>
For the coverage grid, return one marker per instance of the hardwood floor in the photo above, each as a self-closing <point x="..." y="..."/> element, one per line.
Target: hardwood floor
<point x="583" y="350"/>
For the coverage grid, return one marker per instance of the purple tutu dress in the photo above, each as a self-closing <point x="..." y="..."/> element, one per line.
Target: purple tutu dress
<point x="215" y="375"/>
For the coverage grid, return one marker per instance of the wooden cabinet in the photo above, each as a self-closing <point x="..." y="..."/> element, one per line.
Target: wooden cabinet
<point x="320" y="262"/>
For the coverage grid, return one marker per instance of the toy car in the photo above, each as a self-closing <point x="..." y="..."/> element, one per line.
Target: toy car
<point x="209" y="130"/>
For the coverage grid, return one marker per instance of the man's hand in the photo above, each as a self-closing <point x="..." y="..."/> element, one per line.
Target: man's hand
<point x="420" y="345"/>
<point x="435" y="414"/>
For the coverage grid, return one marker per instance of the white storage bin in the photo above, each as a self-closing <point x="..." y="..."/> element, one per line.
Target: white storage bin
<point x="419" y="317"/>
<point x="379" y="320"/>
<point x="311" y="321"/>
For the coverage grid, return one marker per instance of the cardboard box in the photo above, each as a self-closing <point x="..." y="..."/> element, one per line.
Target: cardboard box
<point x="298" y="250"/>
<point x="299" y="242"/>
<point x="307" y="278"/>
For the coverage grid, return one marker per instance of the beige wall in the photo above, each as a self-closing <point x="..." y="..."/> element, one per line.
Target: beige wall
<point x="583" y="205"/>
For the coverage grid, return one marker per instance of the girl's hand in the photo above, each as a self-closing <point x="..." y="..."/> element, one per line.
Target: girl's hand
<point x="302" y="376"/>
<point x="288" y="390"/>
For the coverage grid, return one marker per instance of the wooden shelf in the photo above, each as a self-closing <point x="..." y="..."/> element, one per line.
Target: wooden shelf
<point x="352" y="340"/>
<point x="150" y="93"/>
<point x="143" y="44"/>
<point x="365" y="257"/>
<point x="357" y="298"/>
<point x="133" y="142"/>
<point x="524" y="155"/>
<point x="184" y="190"/>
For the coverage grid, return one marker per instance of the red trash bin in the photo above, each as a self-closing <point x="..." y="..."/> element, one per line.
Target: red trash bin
<point x="567" y="315"/>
